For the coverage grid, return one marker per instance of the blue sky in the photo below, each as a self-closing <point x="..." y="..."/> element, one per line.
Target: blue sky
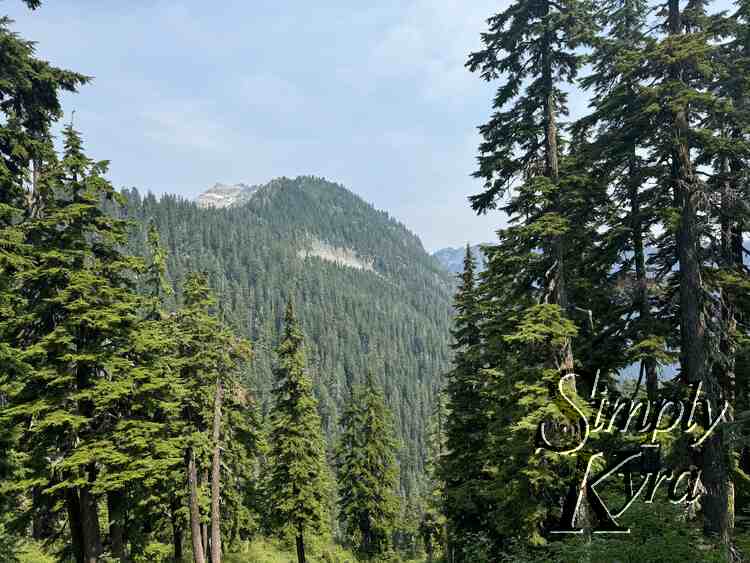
<point x="373" y="95"/>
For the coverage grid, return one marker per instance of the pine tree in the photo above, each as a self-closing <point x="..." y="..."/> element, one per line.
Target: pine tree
<point x="297" y="482"/>
<point x="367" y="472"/>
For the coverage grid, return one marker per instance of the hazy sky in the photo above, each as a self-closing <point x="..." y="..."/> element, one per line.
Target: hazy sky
<point x="373" y="95"/>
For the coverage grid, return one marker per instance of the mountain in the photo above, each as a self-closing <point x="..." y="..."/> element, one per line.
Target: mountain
<point x="368" y="295"/>
<point x="223" y="195"/>
<point x="452" y="259"/>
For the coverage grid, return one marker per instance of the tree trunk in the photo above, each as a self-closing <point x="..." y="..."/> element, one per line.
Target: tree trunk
<point x="558" y="291"/>
<point x="92" y="540"/>
<point x="718" y="516"/>
<point x="195" y="515"/>
<point x="300" y="547"/>
<point x="73" y="506"/>
<point x="204" y="525"/>
<point x="641" y="276"/>
<point x="216" y="479"/>
<point x="719" y="505"/>
<point x="42" y="527"/>
<point x="116" y="508"/>
<point x="741" y="392"/>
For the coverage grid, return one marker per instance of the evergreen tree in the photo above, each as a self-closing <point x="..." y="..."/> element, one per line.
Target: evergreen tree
<point x="433" y="527"/>
<point x="613" y="137"/>
<point x="680" y="68"/>
<point x="208" y="356"/>
<point x="733" y="158"/>
<point x="297" y="482"/>
<point x="664" y="116"/>
<point x="367" y="472"/>
<point x="462" y="470"/>
<point x="532" y="42"/>
<point x="536" y="280"/>
<point x="29" y="103"/>
<point x="79" y="317"/>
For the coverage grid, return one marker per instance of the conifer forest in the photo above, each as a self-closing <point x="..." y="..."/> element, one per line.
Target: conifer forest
<point x="282" y="373"/>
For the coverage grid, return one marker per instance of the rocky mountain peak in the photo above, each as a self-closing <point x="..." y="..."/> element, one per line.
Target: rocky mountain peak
<point x="225" y="195"/>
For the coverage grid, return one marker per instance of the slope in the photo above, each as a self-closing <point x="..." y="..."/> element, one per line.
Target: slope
<point x="368" y="294"/>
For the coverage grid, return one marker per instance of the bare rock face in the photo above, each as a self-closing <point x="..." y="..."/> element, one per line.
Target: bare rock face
<point x="337" y="255"/>
<point x="225" y="195"/>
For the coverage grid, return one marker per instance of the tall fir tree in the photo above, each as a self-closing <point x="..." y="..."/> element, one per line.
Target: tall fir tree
<point x="367" y="472"/>
<point x="613" y="138"/>
<point x="461" y="468"/>
<point x="30" y="90"/>
<point x="532" y="45"/>
<point x="734" y="160"/>
<point x="297" y="487"/>
<point x="680" y="68"/>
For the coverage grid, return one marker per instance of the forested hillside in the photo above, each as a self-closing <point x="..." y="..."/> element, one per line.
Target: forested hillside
<point x="283" y="368"/>
<point x="392" y="319"/>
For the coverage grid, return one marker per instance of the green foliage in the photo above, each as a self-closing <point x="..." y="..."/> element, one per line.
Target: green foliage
<point x="263" y="550"/>
<point x="461" y="470"/>
<point x="659" y="532"/>
<point x="624" y="248"/>
<point x="297" y="484"/>
<point x="397" y="317"/>
<point x="367" y="473"/>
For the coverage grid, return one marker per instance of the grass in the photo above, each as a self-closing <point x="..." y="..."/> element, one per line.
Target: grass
<point x="264" y="550"/>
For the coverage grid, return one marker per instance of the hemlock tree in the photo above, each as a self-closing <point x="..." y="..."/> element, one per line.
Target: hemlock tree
<point x="532" y="46"/>
<point x="735" y="222"/>
<point x="297" y="487"/>
<point x="613" y="138"/>
<point x="680" y="68"/>
<point x="79" y="319"/>
<point x="29" y="104"/>
<point x="141" y="449"/>
<point x="530" y="290"/>
<point x="367" y="472"/>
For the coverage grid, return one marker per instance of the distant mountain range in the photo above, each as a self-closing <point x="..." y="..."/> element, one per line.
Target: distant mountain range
<point x="452" y="259"/>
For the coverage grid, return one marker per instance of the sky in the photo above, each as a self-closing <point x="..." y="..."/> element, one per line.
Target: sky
<point x="373" y="95"/>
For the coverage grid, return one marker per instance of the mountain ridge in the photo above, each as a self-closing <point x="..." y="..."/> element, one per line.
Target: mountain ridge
<point x="368" y="294"/>
<point x="452" y="258"/>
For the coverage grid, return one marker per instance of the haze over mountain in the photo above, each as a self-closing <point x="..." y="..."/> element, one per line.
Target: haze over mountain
<point x="368" y="294"/>
<point x="452" y="258"/>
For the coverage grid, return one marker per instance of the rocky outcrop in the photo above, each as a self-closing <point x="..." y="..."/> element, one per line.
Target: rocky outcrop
<point x="226" y="195"/>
